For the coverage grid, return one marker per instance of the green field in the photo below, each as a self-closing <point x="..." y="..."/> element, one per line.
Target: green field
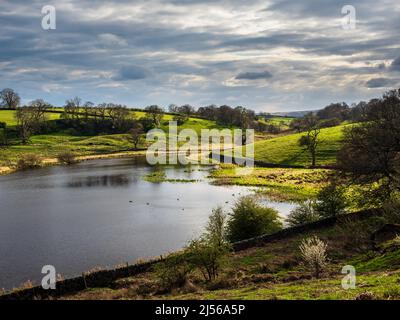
<point x="286" y="150"/>
<point x="8" y="116"/>
<point x="280" y="121"/>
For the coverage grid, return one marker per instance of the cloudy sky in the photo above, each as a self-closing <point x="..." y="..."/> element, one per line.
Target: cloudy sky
<point x="270" y="55"/>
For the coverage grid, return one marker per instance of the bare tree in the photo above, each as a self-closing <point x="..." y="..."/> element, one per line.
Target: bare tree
<point x="72" y="108"/>
<point x="186" y="110"/>
<point x="9" y="98"/>
<point x="87" y="110"/>
<point x="173" y="108"/>
<point x="29" y="120"/>
<point x="101" y="111"/>
<point x="155" y="113"/>
<point x="118" y="115"/>
<point x="40" y="107"/>
<point x="135" y="134"/>
<point x="371" y="150"/>
<point x="310" y="141"/>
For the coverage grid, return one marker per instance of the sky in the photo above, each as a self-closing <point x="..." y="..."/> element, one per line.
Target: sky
<point x="270" y="55"/>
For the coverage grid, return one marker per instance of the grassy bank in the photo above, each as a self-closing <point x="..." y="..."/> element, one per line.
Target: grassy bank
<point x="277" y="183"/>
<point x="49" y="146"/>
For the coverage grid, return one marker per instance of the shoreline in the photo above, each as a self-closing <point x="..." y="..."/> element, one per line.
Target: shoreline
<point x="4" y="170"/>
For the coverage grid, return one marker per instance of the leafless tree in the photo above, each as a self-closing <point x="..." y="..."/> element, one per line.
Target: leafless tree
<point x="135" y="134"/>
<point x="155" y="113"/>
<point x="118" y="115"/>
<point x="371" y="150"/>
<point x="29" y="120"/>
<point x="9" y="98"/>
<point x="310" y="141"/>
<point x="72" y="108"/>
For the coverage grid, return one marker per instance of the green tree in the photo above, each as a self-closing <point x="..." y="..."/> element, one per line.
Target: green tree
<point x="331" y="201"/>
<point x="249" y="219"/>
<point x="208" y="252"/>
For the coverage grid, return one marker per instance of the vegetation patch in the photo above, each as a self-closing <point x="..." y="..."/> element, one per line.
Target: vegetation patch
<point x="278" y="183"/>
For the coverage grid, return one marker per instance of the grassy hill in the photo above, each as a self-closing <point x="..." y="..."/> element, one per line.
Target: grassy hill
<point x="286" y="150"/>
<point x="49" y="145"/>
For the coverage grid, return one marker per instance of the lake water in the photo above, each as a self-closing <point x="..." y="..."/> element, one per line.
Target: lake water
<point x="101" y="213"/>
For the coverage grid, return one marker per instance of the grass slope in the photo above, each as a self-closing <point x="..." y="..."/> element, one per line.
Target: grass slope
<point x="51" y="145"/>
<point x="286" y="150"/>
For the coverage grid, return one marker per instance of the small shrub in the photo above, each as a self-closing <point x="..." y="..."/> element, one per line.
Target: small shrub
<point x="209" y="251"/>
<point x="303" y="214"/>
<point x="331" y="201"/>
<point x="215" y="229"/>
<point x="67" y="158"/>
<point x="207" y="256"/>
<point x="172" y="273"/>
<point x="249" y="219"/>
<point x="313" y="252"/>
<point x="29" y="161"/>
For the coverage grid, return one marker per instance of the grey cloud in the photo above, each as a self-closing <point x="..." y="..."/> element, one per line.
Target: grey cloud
<point x="131" y="73"/>
<point x="378" y="83"/>
<point x="395" y="65"/>
<point x="254" y="75"/>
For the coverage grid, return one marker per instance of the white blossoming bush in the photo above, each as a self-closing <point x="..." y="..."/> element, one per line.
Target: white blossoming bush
<point x="313" y="252"/>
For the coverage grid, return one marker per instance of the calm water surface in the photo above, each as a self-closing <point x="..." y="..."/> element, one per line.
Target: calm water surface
<point x="100" y="213"/>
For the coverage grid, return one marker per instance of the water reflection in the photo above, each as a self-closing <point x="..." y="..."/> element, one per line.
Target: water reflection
<point x="118" y="180"/>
